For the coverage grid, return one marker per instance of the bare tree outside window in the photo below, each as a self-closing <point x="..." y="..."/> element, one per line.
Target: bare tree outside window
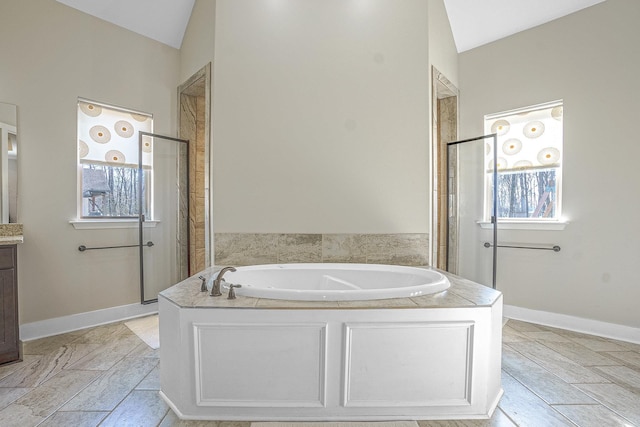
<point x="530" y="194"/>
<point x="111" y="191"/>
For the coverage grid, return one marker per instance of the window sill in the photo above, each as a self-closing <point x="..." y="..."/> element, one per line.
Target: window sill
<point x="101" y="224"/>
<point x="526" y="225"/>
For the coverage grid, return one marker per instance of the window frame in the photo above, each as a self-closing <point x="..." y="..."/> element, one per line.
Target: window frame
<point x="97" y="222"/>
<point x="558" y="222"/>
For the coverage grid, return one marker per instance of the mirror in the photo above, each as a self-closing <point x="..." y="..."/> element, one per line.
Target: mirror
<point x="8" y="163"/>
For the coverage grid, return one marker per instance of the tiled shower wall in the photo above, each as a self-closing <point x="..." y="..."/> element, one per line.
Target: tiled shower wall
<point x="275" y="248"/>
<point x="192" y="128"/>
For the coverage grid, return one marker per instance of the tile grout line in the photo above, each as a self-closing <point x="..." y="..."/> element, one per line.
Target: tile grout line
<point x="102" y="374"/>
<point x="501" y="413"/>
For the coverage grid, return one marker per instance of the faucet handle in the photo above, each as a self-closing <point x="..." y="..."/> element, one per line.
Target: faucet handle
<point x="203" y="285"/>
<point x="232" y="293"/>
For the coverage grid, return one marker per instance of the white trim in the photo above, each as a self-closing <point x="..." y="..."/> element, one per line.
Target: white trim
<point x="99" y="224"/>
<point x="572" y="323"/>
<point x="525" y="225"/>
<point x="74" y="322"/>
<point x="536" y="107"/>
<point x="115" y="107"/>
<point x="9" y="128"/>
<point x="203" y="377"/>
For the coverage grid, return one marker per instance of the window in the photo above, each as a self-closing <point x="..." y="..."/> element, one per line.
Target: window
<point x="108" y="161"/>
<point x="529" y="144"/>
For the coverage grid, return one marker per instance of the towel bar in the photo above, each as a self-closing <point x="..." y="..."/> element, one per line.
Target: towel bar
<point x="554" y="248"/>
<point x="83" y="248"/>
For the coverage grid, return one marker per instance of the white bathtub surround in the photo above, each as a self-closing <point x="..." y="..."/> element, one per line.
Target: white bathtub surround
<point x="334" y="282"/>
<point x="428" y="357"/>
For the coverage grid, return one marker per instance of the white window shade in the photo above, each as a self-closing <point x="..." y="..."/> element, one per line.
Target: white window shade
<point x="526" y="140"/>
<point x="109" y="136"/>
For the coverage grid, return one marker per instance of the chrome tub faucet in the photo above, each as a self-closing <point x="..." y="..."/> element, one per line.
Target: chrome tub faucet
<point x="215" y="289"/>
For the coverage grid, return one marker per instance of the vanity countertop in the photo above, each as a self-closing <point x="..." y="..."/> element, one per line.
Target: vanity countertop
<point x="10" y="234"/>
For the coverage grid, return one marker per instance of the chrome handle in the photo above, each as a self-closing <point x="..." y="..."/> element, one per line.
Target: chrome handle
<point x="203" y="285"/>
<point x="232" y="293"/>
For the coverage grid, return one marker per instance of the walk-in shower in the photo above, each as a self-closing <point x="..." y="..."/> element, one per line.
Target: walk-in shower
<point x="167" y="261"/>
<point x="471" y="200"/>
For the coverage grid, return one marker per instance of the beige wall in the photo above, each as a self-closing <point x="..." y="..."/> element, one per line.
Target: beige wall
<point x="591" y="60"/>
<point x="51" y="55"/>
<point x="8" y="114"/>
<point x="321" y="124"/>
<point x="321" y="116"/>
<point x="198" y="48"/>
<point x="444" y="57"/>
<point x="199" y="39"/>
<point x="442" y="48"/>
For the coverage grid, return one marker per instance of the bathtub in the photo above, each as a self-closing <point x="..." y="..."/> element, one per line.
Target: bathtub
<point x="334" y="282"/>
<point x="256" y="358"/>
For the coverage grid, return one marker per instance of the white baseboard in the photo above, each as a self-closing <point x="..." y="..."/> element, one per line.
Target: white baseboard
<point x="74" y="322"/>
<point x="572" y="323"/>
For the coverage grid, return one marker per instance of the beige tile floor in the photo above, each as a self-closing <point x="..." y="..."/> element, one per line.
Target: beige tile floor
<point x="107" y="376"/>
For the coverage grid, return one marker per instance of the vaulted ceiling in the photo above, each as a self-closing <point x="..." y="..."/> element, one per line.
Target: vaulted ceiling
<point x="473" y="22"/>
<point x="478" y="22"/>
<point x="162" y="20"/>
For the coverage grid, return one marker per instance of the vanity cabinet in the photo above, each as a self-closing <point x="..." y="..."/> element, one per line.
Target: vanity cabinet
<point x="9" y="336"/>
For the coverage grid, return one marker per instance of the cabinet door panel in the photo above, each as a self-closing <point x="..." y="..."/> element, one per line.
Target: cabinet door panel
<point x="7" y="257"/>
<point x="9" y="348"/>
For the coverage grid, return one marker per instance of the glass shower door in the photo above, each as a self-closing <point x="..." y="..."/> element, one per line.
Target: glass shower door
<point x="470" y="183"/>
<point x="163" y="232"/>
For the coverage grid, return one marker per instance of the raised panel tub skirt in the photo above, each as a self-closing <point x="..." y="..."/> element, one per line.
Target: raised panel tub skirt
<point x="434" y="356"/>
